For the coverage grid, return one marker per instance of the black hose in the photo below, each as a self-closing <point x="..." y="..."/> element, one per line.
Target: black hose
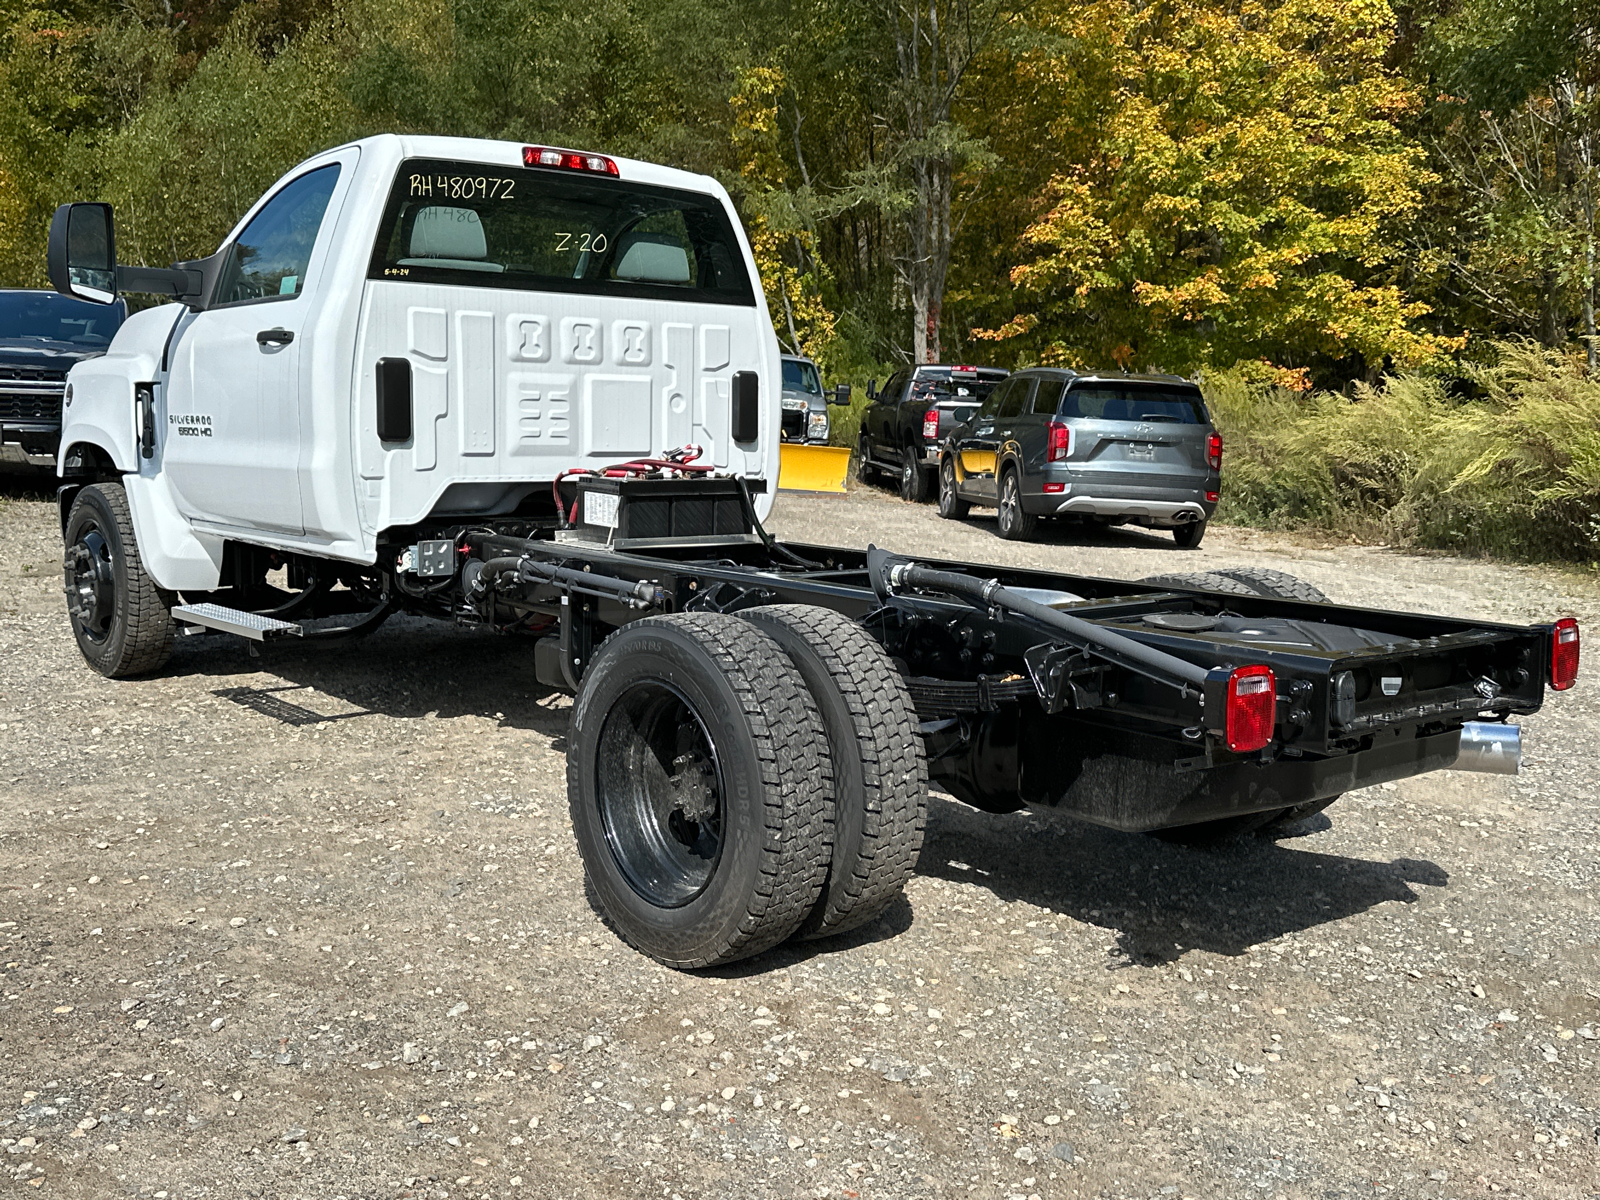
<point x="766" y="538"/>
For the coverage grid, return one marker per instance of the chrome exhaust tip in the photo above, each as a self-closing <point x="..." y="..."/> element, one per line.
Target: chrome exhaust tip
<point x="1490" y="748"/>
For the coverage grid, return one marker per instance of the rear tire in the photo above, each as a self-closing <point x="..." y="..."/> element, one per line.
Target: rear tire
<point x="1188" y="536"/>
<point x="1280" y="584"/>
<point x="951" y="506"/>
<point x="880" y="777"/>
<point x="701" y="789"/>
<point x="121" y="620"/>
<point x="1016" y="523"/>
<point x="913" y="478"/>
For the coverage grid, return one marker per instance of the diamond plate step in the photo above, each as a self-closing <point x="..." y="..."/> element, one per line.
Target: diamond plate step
<point x="230" y="620"/>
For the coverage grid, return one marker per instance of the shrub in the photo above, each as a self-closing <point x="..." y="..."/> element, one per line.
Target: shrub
<point x="1514" y="473"/>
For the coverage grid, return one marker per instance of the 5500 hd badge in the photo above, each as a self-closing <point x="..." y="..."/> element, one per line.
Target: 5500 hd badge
<point x="191" y="424"/>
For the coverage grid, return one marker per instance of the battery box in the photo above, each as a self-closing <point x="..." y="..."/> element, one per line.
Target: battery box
<point x="639" y="514"/>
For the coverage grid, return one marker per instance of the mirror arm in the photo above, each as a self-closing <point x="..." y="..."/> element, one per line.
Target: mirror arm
<point x="180" y="283"/>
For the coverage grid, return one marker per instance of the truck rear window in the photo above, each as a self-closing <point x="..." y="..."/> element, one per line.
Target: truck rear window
<point x="1133" y="402"/>
<point x="540" y="230"/>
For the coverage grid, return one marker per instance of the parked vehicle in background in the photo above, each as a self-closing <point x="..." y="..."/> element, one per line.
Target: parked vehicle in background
<point x="903" y="428"/>
<point x="1114" y="449"/>
<point x="42" y="335"/>
<point x="805" y="404"/>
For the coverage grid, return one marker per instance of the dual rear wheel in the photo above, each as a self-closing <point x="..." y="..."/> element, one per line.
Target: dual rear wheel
<point x="737" y="780"/>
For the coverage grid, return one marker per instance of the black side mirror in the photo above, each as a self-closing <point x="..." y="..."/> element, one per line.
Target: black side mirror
<point x="872" y="389"/>
<point x="81" y="254"/>
<point x="841" y="394"/>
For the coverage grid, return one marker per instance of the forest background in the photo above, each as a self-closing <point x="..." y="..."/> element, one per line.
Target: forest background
<point x="1367" y="227"/>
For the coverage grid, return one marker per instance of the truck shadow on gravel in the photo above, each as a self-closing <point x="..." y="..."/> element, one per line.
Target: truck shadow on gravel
<point x="1158" y="899"/>
<point x="408" y="670"/>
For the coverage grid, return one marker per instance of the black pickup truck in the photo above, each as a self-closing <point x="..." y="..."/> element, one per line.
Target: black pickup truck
<point x="902" y="429"/>
<point x="42" y="336"/>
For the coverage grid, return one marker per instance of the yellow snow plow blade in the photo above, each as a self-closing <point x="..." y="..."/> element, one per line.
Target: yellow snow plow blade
<point x="803" y="468"/>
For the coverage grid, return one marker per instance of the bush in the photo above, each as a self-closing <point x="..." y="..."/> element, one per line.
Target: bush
<point x="1514" y="473"/>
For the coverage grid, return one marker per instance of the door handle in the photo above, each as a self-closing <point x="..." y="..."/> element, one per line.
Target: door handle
<point x="274" y="337"/>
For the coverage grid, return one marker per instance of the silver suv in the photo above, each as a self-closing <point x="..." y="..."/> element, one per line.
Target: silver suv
<point x="1115" y="449"/>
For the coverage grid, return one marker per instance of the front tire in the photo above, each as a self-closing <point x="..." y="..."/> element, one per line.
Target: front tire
<point x="866" y="469"/>
<point x="121" y="620"/>
<point x="951" y="506"/>
<point x="1016" y="523"/>
<point x="880" y="776"/>
<point x="1188" y="536"/>
<point x="701" y="789"/>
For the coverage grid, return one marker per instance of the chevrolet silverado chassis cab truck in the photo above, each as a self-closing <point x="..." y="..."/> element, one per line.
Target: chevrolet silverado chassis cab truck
<point x="537" y="391"/>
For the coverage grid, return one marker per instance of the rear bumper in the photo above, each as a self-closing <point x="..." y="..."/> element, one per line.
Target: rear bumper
<point x="1139" y="781"/>
<point x="1158" y="506"/>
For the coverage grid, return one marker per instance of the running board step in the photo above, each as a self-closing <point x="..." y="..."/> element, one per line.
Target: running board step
<point x="230" y="620"/>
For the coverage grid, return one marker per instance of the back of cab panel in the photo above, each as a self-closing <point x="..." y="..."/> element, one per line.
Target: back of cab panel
<point x="549" y="321"/>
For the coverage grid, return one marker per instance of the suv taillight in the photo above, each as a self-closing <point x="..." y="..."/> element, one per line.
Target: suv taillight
<point x="1252" y="708"/>
<point x="930" y="424"/>
<point x="1060" y="444"/>
<point x="1564" y="654"/>
<point x="1214" y="452"/>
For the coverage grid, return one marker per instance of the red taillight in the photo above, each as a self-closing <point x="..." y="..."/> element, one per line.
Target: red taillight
<point x="930" y="424"/>
<point x="1053" y="489"/>
<point x="1252" y="707"/>
<point x="1564" y="654"/>
<point x="1214" y="452"/>
<point x="1213" y="497"/>
<point x="569" y="160"/>
<point x="1060" y="445"/>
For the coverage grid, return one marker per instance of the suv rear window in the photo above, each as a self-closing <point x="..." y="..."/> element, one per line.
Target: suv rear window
<point x="1133" y="402"/>
<point x="548" y="231"/>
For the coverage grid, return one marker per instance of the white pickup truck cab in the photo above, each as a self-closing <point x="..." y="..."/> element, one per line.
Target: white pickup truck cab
<point x="405" y="328"/>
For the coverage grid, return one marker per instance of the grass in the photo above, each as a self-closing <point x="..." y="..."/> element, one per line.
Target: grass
<point x="1513" y="473"/>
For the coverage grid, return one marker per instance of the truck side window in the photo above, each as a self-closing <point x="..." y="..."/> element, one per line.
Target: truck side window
<point x="271" y="254"/>
<point x="892" y="389"/>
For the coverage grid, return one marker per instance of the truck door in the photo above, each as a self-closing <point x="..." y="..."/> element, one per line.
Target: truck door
<point x="232" y="448"/>
<point x="883" y="418"/>
<point x="979" y="444"/>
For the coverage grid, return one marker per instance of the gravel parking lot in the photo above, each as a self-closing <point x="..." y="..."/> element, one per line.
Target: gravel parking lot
<point x="313" y="925"/>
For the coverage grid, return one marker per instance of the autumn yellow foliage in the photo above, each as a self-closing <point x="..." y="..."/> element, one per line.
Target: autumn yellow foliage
<point x="1228" y="183"/>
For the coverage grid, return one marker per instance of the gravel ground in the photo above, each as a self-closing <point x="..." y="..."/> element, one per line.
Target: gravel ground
<point x="313" y="925"/>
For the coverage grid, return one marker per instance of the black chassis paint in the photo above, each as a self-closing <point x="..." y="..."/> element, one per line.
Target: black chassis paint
<point x="1109" y="745"/>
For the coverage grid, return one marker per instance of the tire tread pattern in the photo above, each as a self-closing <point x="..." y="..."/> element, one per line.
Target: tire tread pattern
<point x="1267" y="582"/>
<point x="796" y="779"/>
<point x="150" y="631"/>
<point x="894" y="770"/>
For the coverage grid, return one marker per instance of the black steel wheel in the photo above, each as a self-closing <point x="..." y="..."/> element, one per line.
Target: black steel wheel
<point x="1188" y="536"/>
<point x="661" y="793"/>
<point x="121" y="620"/>
<point x="913" y="478"/>
<point x="1016" y="523"/>
<point x="701" y="789"/>
<point x="951" y="506"/>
